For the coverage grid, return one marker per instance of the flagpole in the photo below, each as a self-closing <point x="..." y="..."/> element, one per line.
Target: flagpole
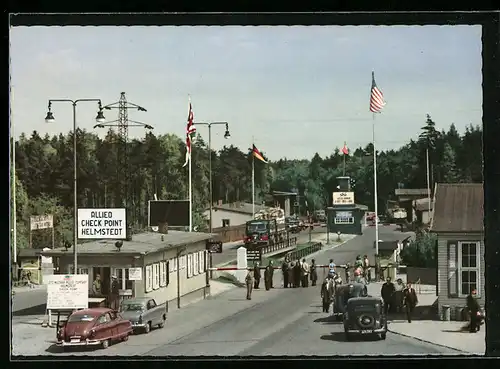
<point x="253" y="181"/>
<point x="375" y="195"/>
<point x="344" y="164"/>
<point x="190" y="192"/>
<point x="14" y="205"/>
<point x="428" y="181"/>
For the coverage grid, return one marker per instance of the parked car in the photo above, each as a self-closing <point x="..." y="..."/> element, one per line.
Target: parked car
<point x="365" y="316"/>
<point x="93" y="327"/>
<point x="144" y="313"/>
<point x="292" y="224"/>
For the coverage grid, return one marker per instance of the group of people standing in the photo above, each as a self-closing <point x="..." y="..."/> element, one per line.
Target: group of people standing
<point x="295" y="274"/>
<point x="398" y="297"/>
<point x="298" y="273"/>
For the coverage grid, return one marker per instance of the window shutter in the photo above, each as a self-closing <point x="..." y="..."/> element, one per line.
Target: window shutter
<point x="452" y="269"/>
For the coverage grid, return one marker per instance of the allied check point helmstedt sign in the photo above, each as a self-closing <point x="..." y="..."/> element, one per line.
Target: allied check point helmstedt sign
<point x="102" y="223"/>
<point x="343" y="198"/>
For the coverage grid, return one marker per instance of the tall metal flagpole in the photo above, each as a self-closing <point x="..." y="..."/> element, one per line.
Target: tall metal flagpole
<point x="253" y="181"/>
<point x="190" y="184"/>
<point x="428" y="181"/>
<point x="375" y="195"/>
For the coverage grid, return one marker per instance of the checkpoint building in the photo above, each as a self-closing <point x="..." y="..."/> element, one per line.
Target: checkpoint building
<point x="345" y="216"/>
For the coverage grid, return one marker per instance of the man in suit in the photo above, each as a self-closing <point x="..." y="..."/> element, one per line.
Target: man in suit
<point x="256" y="275"/>
<point x="284" y="269"/>
<point x="271" y="273"/>
<point x="305" y="273"/>
<point x="387" y="293"/>
<point x="473" y="307"/>
<point x="410" y="300"/>
<point x="327" y="293"/>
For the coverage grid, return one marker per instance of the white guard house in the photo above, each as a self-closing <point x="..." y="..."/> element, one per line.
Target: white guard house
<point x="147" y="265"/>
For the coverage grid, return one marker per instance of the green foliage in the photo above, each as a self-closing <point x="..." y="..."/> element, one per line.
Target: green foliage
<point x="421" y="252"/>
<point x="44" y="169"/>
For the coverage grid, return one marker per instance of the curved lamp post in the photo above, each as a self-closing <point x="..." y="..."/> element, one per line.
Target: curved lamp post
<point x="50" y="119"/>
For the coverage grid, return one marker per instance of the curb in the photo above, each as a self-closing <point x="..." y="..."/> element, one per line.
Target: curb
<point x="429" y="342"/>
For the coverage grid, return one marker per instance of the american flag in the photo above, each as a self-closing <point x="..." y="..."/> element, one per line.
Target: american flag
<point x="376" y="97"/>
<point x="190" y="132"/>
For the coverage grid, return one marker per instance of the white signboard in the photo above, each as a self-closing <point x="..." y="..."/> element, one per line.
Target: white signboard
<point x="343" y="198"/>
<point x="135" y="274"/>
<point x="41" y="222"/>
<point x="102" y="224"/>
<point x="68" y="291"/>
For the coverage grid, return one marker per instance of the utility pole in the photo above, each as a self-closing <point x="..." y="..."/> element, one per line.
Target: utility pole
<point x="123" y="169"/>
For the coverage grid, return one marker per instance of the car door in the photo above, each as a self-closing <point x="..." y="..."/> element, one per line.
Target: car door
<point x="112" y="324"/>
<point x="101" y="327"/>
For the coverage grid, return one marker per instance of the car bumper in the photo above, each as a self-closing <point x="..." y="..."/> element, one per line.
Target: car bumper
<point x="86" y="342"/>
<point x="368" y="331"/>
<point x="139" y="325"/>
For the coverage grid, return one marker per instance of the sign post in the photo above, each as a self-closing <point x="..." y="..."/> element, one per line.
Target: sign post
<point x="108" y="223"/>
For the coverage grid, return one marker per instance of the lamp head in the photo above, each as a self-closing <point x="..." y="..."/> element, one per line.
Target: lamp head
<point x="118" y="245"/>
<point x="50" y="117"/>
<point x="227" y="134"/>
<point x="100" y="117"/>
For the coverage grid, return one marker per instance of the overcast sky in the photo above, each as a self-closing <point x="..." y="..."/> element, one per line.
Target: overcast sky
<point x="296" y="90"/>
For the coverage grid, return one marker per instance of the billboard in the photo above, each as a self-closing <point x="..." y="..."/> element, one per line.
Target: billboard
<point x="173" y="212"/>
<point x="41" y="222"/>
<point x="67" y="291"/>
<point x="108" y="223"/>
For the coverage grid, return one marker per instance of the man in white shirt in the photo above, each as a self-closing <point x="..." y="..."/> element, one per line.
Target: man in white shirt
<point x="305" y="273"/>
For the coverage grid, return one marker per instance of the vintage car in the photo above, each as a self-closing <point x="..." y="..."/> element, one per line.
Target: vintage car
<point x="342" y="294"/>
<point x="144" y="313"/>
<point x="365" y="315"/>
<point x="93" y="327"/>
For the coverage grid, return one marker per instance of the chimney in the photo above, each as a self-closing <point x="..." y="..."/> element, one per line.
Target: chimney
<point x="163" y="228"/>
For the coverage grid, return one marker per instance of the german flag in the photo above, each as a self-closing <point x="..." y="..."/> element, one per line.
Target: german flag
<point x="257" y="154"/>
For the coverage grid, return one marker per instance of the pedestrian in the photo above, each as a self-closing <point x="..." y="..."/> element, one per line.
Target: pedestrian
<point x="331" y="267"/>
<point x="366" y="268"/>
<point x="296" y="274"/>
<point x="96" y="286"/>
<point x="305" y="273"/>
<point x="410" y="301"/>
<point x="271" y="273"/>
<point x="291" y="274"/>
<point x="256" y="274"/>
<point x="387" y="292"/>
<point x="249" y="280"/>
<point x="267" y="277"/>
<point x="326" y="293"/>
<point x="314" y="273"/>
<point x="473" y="308"/>
<point x="114" y="295"/>
<point x="28" y="277"/>
<point x="284" y="269"/>
<point x="398" y="295"/>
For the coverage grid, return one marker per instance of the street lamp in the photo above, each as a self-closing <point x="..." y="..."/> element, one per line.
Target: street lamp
<point x="50" y="119"/>
<point x="226" y="136"/>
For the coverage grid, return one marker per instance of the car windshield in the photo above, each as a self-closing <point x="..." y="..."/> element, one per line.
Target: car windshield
<point x="366" y="308"/>
<point x="256" y="227"/>
<point x="78" y="318"/>
<point x="132" y="307"/>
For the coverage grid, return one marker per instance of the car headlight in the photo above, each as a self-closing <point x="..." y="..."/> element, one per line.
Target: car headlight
<point x="140" y="320"/>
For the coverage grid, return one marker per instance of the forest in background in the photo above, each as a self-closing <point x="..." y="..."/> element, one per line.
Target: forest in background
<point x="44" y="174"/>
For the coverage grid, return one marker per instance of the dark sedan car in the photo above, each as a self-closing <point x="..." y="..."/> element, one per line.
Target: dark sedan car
<point x="365" y="316"/>
<point x="93" y="327"/>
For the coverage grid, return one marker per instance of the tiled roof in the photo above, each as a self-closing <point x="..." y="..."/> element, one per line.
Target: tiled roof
<point x="458" y="207"/>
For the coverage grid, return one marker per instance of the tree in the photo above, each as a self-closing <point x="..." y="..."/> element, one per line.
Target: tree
<point x="421" y="253"/>
<point x="449" y="166"/>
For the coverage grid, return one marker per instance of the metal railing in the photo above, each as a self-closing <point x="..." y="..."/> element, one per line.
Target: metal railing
<point x="266" y="249"/>
<point x="302" y="252"/>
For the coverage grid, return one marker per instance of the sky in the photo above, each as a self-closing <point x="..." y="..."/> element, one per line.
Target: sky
<point x="293" y="91"/>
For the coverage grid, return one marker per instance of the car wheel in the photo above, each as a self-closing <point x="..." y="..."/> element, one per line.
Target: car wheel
<point x="162" y="324"/>
<point x="105" y="344"/>
<point x="147" y="328"/>
<point x="383" y="335"/>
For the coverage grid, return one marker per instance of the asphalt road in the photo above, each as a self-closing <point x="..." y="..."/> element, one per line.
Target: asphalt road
<point x="276" y="322"/>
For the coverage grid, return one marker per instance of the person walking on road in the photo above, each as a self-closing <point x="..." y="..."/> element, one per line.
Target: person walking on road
<point x="398" y="295"/>
<point x="271" y="273"/>
<point x="256" y="274"/>
<point x="305" y="273"/>
<point x="296" y="274"/>
<point x="410" y="301"/>
<point x="473" y="307"/>
<point x="268" y="276"/>
<point x="331" y="267"/>
<point x="327" y="293"/>
<point x="314" y="273"/>
<point x="366" y="268"/>
<point x="249" y="280"/>
<point x="284" y="269"/>
<point x="387" y="293"/>
<point x="291" y="275"/>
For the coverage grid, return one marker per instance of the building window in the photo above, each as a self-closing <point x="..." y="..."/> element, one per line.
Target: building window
<point x="189" y="265"/>
<point x="225" y="222"/>
<point x="196" y="259"/>
<point x="148" y="278"/>
<point x="344" y="220"/>
<point x="164" y="267"/>
<point x="468" y="262"/>
<point x="123" y="280"/>
<point x="156" y="276"/>
<point x="201" y="263"/>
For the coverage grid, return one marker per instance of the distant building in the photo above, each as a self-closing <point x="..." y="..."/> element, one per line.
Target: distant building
<point x="232" y="214"/>
<point x="421" y="210"/>
<point x="458" y="224"/>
